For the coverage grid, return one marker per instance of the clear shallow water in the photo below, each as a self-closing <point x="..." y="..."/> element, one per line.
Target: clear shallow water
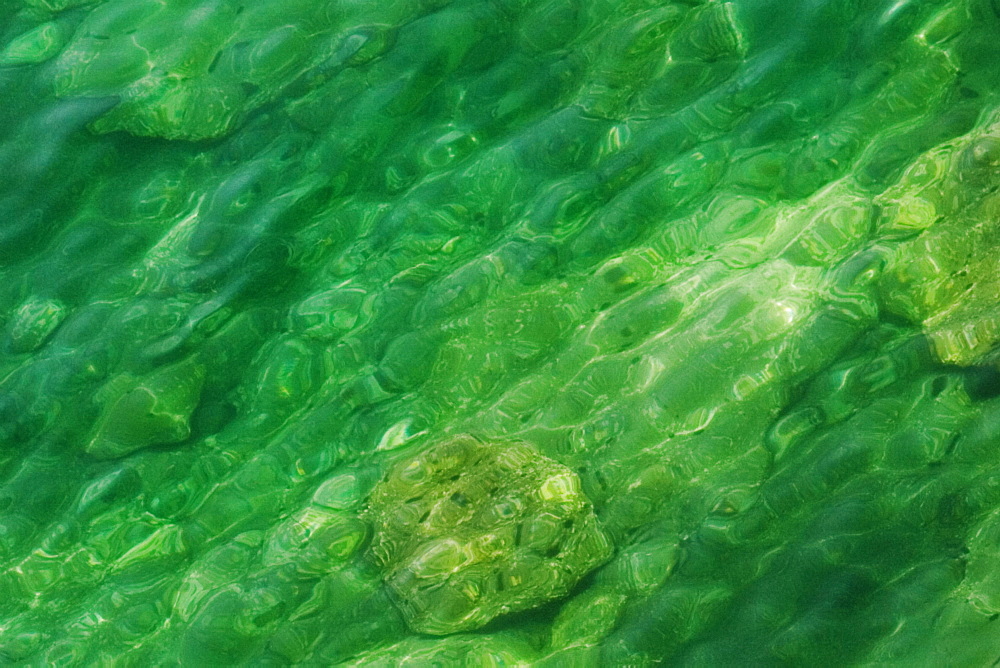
<point x="710" y="285"/>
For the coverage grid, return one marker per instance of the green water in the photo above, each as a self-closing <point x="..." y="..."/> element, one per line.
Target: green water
<point x="499" y="332"/>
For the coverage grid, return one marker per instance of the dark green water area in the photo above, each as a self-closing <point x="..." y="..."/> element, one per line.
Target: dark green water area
<point x="500" y="333"/>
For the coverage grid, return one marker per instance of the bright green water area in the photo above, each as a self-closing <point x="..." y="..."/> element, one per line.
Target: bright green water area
<point x="499" y="332"/>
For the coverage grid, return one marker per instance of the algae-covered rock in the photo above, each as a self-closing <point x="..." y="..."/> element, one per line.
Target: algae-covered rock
<point x="470" y="530"/>
<point x="35" y="46"/>
<point x="34" y="322"/>
<point x="946" y="277"/>
<point x="155" y="410"/>
<point x="231" y="60"/>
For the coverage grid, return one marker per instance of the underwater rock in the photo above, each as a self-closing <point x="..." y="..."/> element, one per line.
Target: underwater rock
<point x="35" y="46"/>
<point x="34" y="322"/>
<point x="945" y="278"/>
<point x="155" y="410"/>
<point x="467" y="531"/>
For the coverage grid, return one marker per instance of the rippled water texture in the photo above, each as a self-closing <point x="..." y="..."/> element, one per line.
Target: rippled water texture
<point x="499" y="332"/>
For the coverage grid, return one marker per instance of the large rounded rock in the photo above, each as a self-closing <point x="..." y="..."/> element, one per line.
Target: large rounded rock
<point x="468" y="530"/>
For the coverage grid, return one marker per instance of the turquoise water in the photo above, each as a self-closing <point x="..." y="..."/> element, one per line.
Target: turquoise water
<point x="569" y="333"/>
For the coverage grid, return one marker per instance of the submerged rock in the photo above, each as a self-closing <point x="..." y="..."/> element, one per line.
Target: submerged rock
<point x="155" y="410"/>
<point x="468" y="530"/>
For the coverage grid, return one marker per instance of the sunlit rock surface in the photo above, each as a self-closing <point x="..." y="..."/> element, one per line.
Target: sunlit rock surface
<point x="714" y="281"/>
<point x="467" y="531"/>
